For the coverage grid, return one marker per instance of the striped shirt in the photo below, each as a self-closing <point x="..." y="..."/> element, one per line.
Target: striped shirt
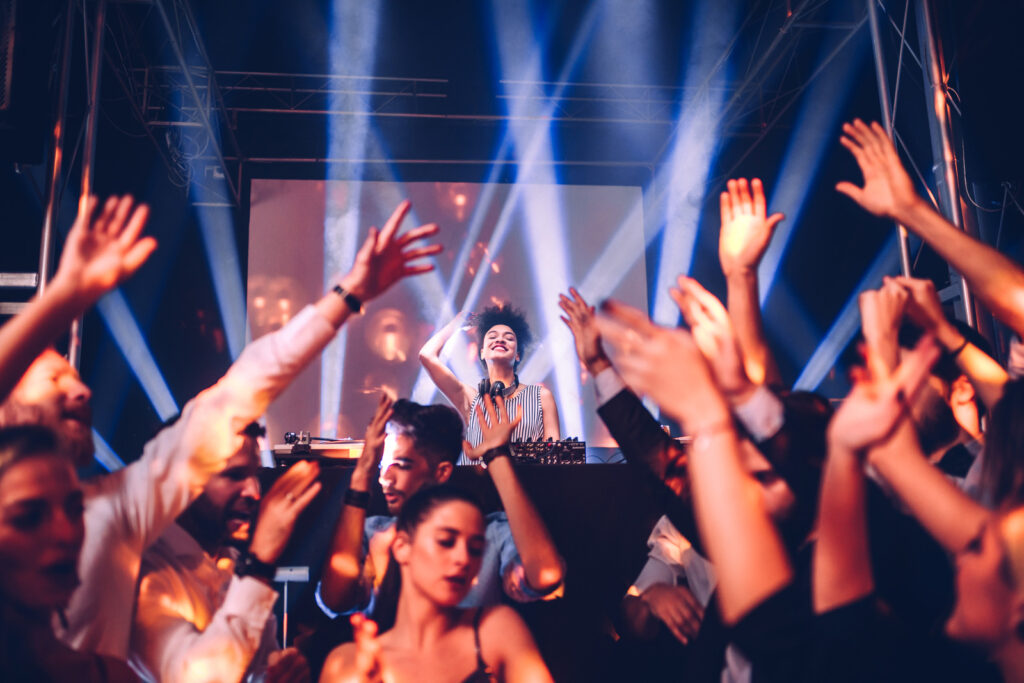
<point x="530" y="428"/>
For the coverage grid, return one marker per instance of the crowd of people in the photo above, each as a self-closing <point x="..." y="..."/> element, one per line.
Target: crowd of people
<point x="878" y="539"/>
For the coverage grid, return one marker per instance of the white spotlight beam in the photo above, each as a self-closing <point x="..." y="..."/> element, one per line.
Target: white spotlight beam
<point x="846" y="324"/>
<point x="695" y="147"/>
<point x="815" y="133"/>
<point x="118" y="318"/>
<point x="354" y="36"/>
<point x="104" y="454"/>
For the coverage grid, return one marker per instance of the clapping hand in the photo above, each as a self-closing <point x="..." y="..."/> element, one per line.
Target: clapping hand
<point x="579" y="318"/>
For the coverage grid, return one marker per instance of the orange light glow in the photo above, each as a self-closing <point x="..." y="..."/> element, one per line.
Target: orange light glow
<point x="495" y="267"/>
<point x="460" y="200"/>
<point x="259" y="302"/>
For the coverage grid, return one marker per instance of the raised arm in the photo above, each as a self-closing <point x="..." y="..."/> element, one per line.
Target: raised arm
<point x="341" y="586"/>
<point x="985" y="374"/>
<point x="541" y="563"/>
<point x="177" y="644"/>
<point x="744" y="236"/>
<point x="460" y="395"/>
<point x="208" y="432"/>
<point x="102" y="250"/>
<point x="867" y="417"/>
<point x="734" y="524"/>
<point x="889" y="192"/>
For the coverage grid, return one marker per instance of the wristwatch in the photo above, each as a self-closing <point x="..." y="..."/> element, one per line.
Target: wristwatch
<point x="250" y="565"/>
<point x="351" y="300"/>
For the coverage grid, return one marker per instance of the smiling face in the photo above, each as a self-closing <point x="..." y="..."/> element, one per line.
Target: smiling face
<point x="443" y="555"/>
<point x="50" y="393"/>
<point x="500" y="345"/>
<point x="41" y="531"/>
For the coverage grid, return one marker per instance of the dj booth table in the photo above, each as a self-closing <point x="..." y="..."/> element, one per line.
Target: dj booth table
<point x="599" y="517"/>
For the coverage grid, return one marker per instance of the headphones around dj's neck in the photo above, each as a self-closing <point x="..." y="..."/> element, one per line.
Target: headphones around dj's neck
<point x="498" y="388"/>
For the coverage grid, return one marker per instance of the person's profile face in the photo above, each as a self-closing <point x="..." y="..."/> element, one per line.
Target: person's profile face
<point x="52" y="394"/>
<point x="41" y="531"/>
<point x="445" y="552"/>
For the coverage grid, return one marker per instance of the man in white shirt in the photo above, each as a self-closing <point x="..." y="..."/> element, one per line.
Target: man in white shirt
<point x="126" y="511"/>
<point x="205" y="611"/>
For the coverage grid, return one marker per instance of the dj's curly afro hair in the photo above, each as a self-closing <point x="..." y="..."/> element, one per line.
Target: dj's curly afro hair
<point x="503" y="314"/>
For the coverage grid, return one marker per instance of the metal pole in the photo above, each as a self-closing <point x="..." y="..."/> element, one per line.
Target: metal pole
<point x="54" y="163"/>
<point x="886" y="103"/>
<point x="89" y="155"/>
<point x="938" y="122"/>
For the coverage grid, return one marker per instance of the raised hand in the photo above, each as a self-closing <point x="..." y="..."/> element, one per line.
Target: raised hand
<point x="496" y="428"/>
<point x="675" y="607"/>
<point x="664" y="364"/>
<point x="373" y="444"/>
<point x="385" y="257"/>
<point x="881" y="312"/>
<point x="713" y="333"/>
<point x="888" y="190"/>
<point x="287" y="666"/>
<point x="746" y="229"/>
<point x="103" y="249"/>
<point x="880" y="397"/>
<point x="579" y="318"/>
<point x="279" y="509"/>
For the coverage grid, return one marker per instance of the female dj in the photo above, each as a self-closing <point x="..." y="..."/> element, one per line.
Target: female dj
<point x="503" y="336"/>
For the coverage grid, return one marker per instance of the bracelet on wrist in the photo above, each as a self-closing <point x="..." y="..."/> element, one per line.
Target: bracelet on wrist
<point x="250" y="565"/>
<point x="705" y="434"/>
<point x="350" y="299"/>
<point x="357" y="499"/>
<point x="502" y="451"/>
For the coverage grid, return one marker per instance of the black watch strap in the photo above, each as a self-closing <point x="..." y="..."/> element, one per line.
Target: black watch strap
<point x="503" y="451"/>
<point x="250" y="565"/>
<point x="351" y="300"/>
<point x="357" y="499"/>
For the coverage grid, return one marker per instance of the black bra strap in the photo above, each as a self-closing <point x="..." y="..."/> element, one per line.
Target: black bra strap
<point x="480" y="664"/>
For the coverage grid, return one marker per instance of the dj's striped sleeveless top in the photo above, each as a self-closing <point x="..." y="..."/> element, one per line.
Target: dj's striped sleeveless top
<point x="530" y="428"/>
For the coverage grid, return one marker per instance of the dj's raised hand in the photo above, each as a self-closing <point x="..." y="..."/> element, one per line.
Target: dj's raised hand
<point x="579" y="318"/>
<point x="888" y="190"/>
<point x="496" y="428"/>
<point x="746" y="228"/>
<point x="103" y="248"/>
<point x="386" y="257"/>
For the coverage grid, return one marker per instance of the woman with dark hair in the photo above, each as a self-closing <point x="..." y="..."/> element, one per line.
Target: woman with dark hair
<point x="41" y="533"/>
<point x="503" y="337"/>
<point x="436" y="554"/>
